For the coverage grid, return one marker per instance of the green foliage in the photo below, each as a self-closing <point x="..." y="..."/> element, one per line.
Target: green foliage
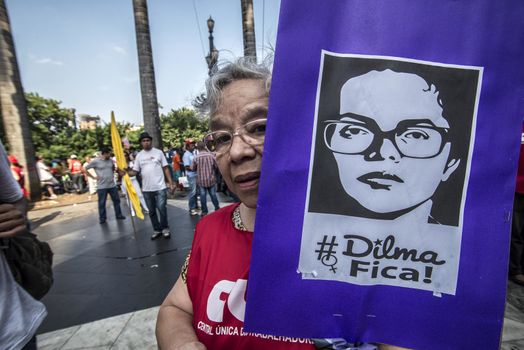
<point x="182" y="124"/>
<point x="55" y="137"/>
<point x="47" y="120"/>
<point x="53" y="130"/>
<point x="71" y="141"/>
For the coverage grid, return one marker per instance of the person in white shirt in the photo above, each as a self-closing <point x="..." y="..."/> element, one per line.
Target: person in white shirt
<point x="47" y="180"/>
<point x="151" y="163"/>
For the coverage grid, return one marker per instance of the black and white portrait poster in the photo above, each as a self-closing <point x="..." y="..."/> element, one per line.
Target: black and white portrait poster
<point x="389" y="171"/>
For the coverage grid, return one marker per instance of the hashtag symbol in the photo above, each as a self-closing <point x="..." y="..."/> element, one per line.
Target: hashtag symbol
<point x="330" y="250"/>
<point x="326" y="252"/>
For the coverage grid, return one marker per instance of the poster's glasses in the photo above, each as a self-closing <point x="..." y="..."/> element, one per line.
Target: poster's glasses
<point x="412" y="139"/>
<point x="252" y="133"/>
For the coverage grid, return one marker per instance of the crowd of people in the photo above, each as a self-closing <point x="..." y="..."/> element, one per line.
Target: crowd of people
<point x="150" y="169"/>
<point x="72" y="176"/>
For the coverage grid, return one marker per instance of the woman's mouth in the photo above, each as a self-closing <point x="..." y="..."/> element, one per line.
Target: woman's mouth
<point x="247" y="181"/>
<point x="380" y="180"/>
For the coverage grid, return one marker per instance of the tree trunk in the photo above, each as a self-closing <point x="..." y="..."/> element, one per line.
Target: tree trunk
<point x="147" y="72"/>
<point x="248" y="29"/>
<point x="13" y="108"/>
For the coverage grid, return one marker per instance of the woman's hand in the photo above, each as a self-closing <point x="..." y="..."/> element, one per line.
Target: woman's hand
<point x="12" y="221"/>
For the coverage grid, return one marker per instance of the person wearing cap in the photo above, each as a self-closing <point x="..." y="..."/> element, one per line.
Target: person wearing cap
<point x="105" y="170"/>
<point x="152" y="165"/>
<point x="187" y="159"/>
<point x="77" y="173"/>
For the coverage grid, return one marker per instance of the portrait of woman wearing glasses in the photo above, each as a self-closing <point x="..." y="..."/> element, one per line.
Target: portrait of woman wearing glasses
<point x="396" y="135"/>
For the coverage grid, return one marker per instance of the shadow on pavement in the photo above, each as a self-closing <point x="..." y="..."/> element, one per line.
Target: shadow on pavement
<point x="43" y="220"/>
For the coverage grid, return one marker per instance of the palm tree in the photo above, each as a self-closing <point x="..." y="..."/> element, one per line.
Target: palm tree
<point x="147" y="72"/>
<point x="248" y="28"/>
<point x="13" y="108"/>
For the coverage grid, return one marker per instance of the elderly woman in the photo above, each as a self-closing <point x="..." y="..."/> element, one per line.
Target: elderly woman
<point x="205" y="308"/>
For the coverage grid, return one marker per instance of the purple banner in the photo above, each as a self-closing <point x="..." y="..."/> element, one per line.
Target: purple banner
<point x="389" y="172"/>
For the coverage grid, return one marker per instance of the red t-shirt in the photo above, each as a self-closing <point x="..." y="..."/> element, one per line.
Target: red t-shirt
<point x="75" y="166"/>
<point x="20" y="178"/>
<point x="176" y="162"/>
<point x="217" y="279"/>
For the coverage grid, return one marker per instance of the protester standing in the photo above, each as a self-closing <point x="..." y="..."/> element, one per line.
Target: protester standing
<point x="105" y="170"/>
<point x="152" y="165"/>
<point x="211" y="289"/>
<point x="77" y="173"/>
<point x="191" y="176"/>
<point x="205" y="165"/>
<point x="177" y="169"/>
<point x="221" y="248"/>
<point x="20" y="313"/>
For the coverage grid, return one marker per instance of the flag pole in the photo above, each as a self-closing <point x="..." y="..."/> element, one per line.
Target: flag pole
<point x="130" y="209"/>
<point x="132" y="198"/>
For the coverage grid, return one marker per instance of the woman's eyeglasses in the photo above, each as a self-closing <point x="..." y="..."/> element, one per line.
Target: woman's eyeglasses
<point x="252" y="133"/>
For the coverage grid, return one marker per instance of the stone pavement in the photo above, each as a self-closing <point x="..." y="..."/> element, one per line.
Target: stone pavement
<point x="109" y="281"/>
<point x="134" y="330"/>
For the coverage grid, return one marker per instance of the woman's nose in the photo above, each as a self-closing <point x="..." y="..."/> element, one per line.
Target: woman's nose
<point x="386" y="150"/>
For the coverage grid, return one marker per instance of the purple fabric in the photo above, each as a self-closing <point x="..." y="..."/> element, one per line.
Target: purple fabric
<point x="471" y="33"/>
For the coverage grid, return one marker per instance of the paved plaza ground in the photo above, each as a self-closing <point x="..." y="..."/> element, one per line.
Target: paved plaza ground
<point x="110" y="279"/>
<point x="109" y="269"/>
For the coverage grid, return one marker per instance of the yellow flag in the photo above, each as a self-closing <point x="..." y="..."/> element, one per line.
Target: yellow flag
<point x="122" y="165"/>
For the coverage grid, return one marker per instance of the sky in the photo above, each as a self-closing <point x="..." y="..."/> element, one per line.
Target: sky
<point x="83" y="52"/>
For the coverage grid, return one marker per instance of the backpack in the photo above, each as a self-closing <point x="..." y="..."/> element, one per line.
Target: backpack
<point x="31" y="263"/>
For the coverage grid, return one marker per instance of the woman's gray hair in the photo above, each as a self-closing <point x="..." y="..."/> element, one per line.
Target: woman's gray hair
<point x="228" y="72"/>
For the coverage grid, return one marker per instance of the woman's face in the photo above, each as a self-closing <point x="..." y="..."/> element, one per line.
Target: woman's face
<point x="242" y="101"/>
<point x="390" y="142"/>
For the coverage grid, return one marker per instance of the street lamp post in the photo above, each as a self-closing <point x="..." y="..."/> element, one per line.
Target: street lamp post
<point x="212" y="57"/>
